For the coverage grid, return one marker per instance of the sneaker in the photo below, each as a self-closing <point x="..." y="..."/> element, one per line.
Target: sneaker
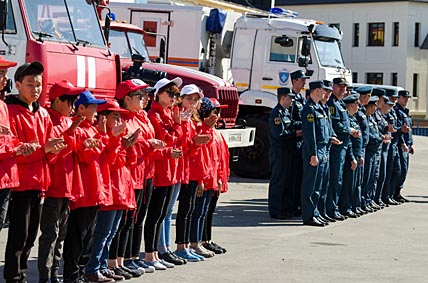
<point x="134" y="272"/>
<point x="121" y="272"/>
<point x="218" y="247"/>
<point x="130" y="264"/>
<point x="147" y="269"/>
<point x="193" y="253"/>
<point x="211" y="247"/>
<point x="170" y="259"/>
<point x="202" y="252"/>
<point x="205" y="250"/>
<point x="110" y="274"/>
<point x="177" y="257"/>
<point x="156" y="264"/>
<point x="167" y="264"/>
<point x="97" y="277"/>
<point x="187" y="255"/>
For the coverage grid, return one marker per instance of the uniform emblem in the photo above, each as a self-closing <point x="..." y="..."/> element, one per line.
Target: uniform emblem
<point x="283" y="77"/>
<point x="310" y="118"/>
<point x="332" y="110"/>
<point x="277" y="121"/>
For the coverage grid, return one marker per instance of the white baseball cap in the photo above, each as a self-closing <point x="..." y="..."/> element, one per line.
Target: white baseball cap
<point x="163" y="82"/>
<point x="190" y="89"/>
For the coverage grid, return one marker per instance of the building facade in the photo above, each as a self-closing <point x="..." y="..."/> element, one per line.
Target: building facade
<point x="384" y="42"/>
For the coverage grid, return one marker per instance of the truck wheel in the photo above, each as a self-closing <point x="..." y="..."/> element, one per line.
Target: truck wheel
<point x="253" y="162"/>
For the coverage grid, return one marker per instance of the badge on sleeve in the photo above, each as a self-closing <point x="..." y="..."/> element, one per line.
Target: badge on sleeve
<point x="332" y="110"/>
<point x="310" y="118"/>
<point x="277" y="121"/>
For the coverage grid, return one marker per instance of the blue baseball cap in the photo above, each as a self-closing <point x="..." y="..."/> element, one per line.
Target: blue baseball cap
<point x="378" y="92"/>
<point x="87" y="97"/>
<point x="318" y="84"/>
<point x="373" y="99"/>
<point x="391" y="93"/>
<point x="299" y="74"/>
<point x="364" y="90"/>
<point x="351" y="98"/>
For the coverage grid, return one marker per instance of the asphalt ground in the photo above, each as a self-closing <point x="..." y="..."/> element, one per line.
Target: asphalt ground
<point x="390" y="245"/>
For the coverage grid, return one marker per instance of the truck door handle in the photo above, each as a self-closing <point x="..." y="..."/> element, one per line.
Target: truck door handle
<point x="267" y="79"/>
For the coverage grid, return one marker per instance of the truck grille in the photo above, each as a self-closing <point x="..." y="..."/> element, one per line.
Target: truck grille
<point x="229" y="96"/>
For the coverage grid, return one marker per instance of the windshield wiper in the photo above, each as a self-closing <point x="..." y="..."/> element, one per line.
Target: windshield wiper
<point x="42" y="34"/>
<point x="83" y="42"/>
<point x="135" y="49"/>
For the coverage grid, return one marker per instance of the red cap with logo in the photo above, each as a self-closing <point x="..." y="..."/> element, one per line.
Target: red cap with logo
<point x="111" y="105"/>
<point x="6" y="64"/>
<point x="64" y="88"/>
<point x="128" y="86"/>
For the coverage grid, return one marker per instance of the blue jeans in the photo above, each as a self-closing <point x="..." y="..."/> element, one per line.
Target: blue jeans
<point x="165" y="233"/>
<point x="105" y="229"/>
<point x="198" y="217"/>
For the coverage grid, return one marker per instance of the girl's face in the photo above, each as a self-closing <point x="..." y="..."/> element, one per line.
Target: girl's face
<point x="190" y="101"/>
<point x="112" y="119"/>
<point x="133" y="101"/>
<point x="144" y="100"/>
<point x="167" y="97"/>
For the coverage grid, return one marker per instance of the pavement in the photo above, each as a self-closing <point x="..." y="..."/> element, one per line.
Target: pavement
<point x="390" y="245"/>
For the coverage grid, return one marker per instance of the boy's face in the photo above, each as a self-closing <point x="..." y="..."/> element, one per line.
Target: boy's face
<point x="3" y="77"/>
<point x="89" y="112"/>
<point x="30" y="88"/>
<point x="63" y="107"/>
<point x="112" y="119"/>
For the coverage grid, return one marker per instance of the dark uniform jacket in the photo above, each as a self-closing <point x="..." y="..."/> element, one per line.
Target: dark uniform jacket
<point x="403" y="115"/>
<point x="339" y="119"/>
<point x="315" y="127"/>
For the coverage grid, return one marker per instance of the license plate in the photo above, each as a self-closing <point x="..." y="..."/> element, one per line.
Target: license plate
<point x="235" y="138"/>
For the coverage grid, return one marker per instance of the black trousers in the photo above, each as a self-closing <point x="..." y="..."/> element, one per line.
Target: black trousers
<point x="4" y="204"/>
<point x="186" y="205"/>
<point x="207" y="234"/>
<point x="78" y="241"/>
<point x="156" y="213"/>
<point x="24" y="214"/>
<point x="136" y="232"/>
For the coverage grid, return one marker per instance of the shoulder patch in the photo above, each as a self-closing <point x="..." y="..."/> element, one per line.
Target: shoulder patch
<point x="310" y="118"/>
<point x="332" y="110"/>
<point x="277" y="121"/>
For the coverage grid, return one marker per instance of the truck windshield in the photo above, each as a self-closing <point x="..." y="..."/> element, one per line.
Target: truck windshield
<point x="64" y="21"/>
<point x="119" y="44"/>
<point x="329" y="53"/>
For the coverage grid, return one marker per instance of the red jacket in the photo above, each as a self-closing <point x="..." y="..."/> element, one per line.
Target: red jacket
<point x="200" y="160"/>
<point x="188" y="147"/>
<point x="64" y="171"/>
<point x="89" y="165"/>
<point x="169" y="132"/>
<point x="114" y="159"/>
<point x="36" y="127"/>
<point x="223" y="160"/>
<point x="8" y="168"/>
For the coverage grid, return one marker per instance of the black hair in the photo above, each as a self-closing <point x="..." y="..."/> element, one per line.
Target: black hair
<point x="27" y="69"/>
<point x="105" y="112"/>
<point x="71" y="99"/>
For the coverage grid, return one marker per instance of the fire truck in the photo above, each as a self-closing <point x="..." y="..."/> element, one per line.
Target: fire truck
<point x="127" y="40"/>
<point x="66" y="37"/>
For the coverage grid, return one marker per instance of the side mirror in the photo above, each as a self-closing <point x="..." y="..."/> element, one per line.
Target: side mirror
<point x="303" y="62"/>
<point x="109" y="17"/>
<point x="137" y="58"/>
<point x="309" y="73"/>
<point x="3" y="14"/>
<point x="284" y="41"/>
<point x="162" y="49"/>
<point x="306" y="47"/>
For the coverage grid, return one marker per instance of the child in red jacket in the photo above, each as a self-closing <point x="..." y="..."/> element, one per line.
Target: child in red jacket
<point x="31" y="124"/>
<point x="90" y="143"/>
<point x="8" y="143"/>
<point x="65" y="181"/>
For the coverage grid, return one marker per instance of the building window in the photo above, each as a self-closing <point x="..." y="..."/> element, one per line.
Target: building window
<point x="334" y="26"/>
<point x="356" y="42"/>
<point x="375" y="78"/>
<point x="376" y="34"/>
<point x="395" y="35"/>
<point x="417" y="31"/>
<point x="415" y="85"/>
<point x="354" y="77"/>
<point x="394" y="79"/>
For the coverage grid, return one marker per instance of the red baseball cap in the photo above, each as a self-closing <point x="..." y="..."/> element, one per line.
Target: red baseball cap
<point x="6" y="64"/>
<point x="217" y="104"/>
<point x="128" y="86"/>
<point x="64" y="88"/>
<point x="111" y="105"/>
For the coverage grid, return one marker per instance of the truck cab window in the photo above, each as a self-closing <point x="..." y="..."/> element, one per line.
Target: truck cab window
<point x="10" y="21"/>
<point x="282" y="53"/>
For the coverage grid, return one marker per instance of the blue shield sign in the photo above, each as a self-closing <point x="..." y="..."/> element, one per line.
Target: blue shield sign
<point x="283" y="77"/>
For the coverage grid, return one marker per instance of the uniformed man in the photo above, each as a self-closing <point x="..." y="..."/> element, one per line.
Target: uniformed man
<point x="406" y="141"/>
<point x="333" y="139"/>
<point x="371" y="158"/>
<point x="283" y="137"/>
<point x="298" y="79"/>
<point x="353" y="158"/>
<point x="393" y="167"/>
<point x="340" y="123"/>
<point x="315" y="140"/>
<point x="365" y="94"/>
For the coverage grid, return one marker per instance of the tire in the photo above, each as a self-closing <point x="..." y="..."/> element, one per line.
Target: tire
<point x="253" y="162"/>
